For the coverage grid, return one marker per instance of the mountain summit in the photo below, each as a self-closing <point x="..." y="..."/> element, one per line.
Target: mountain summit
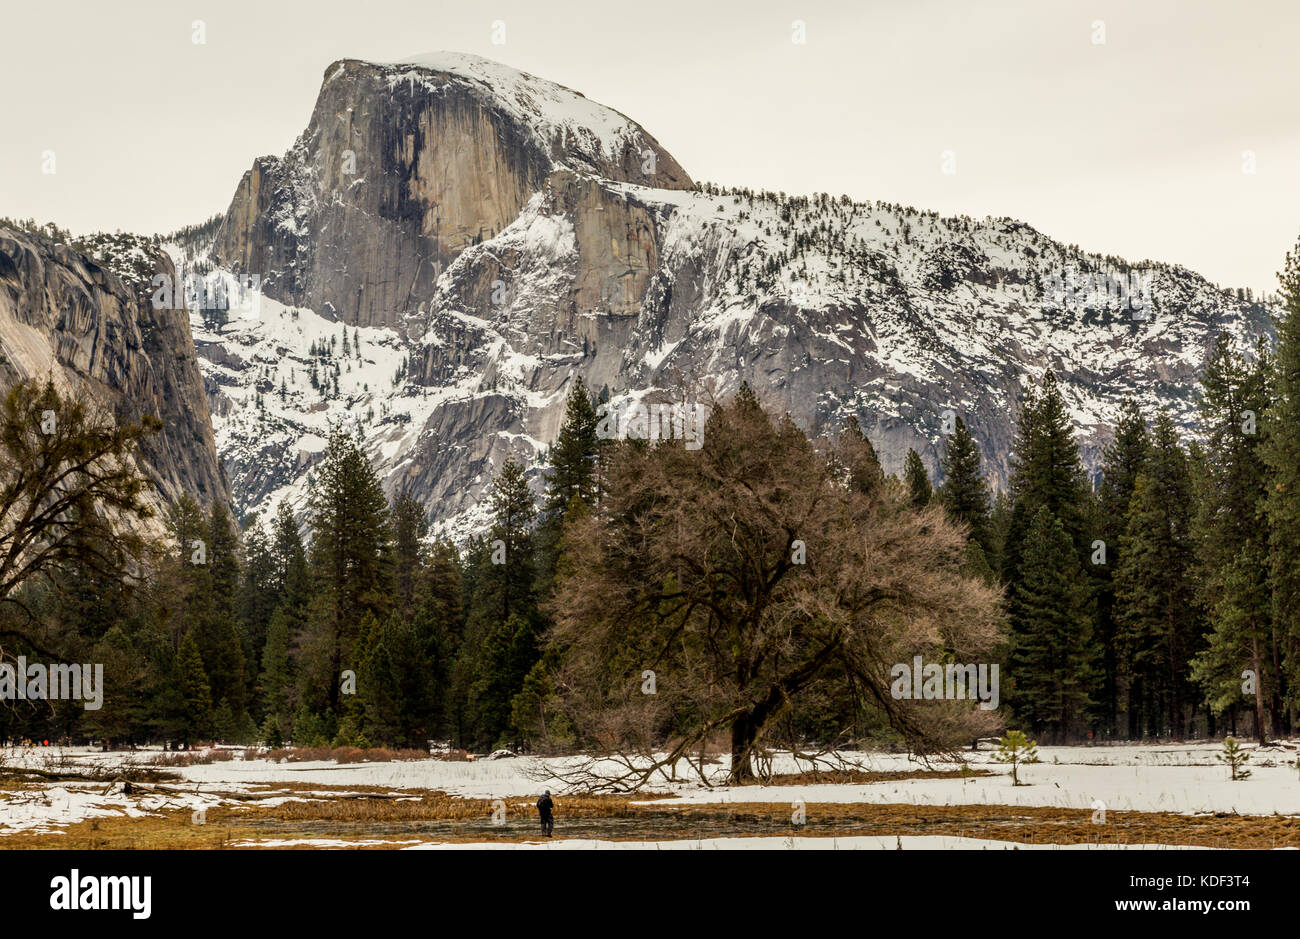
<point x="403" y="166"/>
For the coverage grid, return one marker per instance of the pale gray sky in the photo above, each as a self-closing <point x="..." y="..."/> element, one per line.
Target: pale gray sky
<point x="1134" y="146"/>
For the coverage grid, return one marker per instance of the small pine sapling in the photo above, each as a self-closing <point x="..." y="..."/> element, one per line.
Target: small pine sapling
<point x="1235" y="757"/>
<point x="1015" y="748"/>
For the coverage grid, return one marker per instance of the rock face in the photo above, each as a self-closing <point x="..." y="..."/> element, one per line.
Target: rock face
<point x="96" y="333"/>
<point x="404" y="166"/>
<point x="498" y="235"/>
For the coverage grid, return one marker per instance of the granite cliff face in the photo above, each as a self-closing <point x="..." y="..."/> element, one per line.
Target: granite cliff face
<point x="91" y="326"/>
<point x="451" y="242"/>
<point x="402" y="167"/>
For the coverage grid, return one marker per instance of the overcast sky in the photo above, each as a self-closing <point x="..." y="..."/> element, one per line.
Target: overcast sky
<point x="1136" y="146"/>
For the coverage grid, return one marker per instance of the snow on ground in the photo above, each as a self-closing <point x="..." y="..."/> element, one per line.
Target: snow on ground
<point x="1166" y="778"/>
<point x="49" y="808"/>
<point x="1140" y="778"/>
<point x="1183" y="789"/>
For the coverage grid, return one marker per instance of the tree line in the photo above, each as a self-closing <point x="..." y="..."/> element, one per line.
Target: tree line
<point x="647" y="598"/>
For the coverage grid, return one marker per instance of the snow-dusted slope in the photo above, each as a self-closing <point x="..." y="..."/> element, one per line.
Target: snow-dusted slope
<point x="500" y="238"/>
<point x="279" y="381"/>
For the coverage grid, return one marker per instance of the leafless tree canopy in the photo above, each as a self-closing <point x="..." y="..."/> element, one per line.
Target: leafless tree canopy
<point x="692" y="568"/>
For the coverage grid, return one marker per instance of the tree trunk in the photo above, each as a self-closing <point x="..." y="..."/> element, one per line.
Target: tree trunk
<point x="1260" y="730"/>
<point x="743" y="733"/>
<point x="746" y="728"/>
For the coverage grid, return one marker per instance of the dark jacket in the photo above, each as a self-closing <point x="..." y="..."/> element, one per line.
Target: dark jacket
<point x="544" y="806"/>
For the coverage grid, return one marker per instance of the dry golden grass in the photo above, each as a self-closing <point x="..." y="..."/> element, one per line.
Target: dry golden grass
<point x="191" y="758"/>
<point x="436" y="816"/>
<point x="438" y="806"/>
<point x="369" y="812"/>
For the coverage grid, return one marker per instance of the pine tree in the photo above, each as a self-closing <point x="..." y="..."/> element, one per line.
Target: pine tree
<point x="572" y="475"/>
<point x="289" y="558"/>
<point x="222" y="559"/>
<point x="193" y="594"/>
<point x="410" y="525"/>
<point x="1016" y="749"/>
<point x="510" y="651"/>
<point x="535" y="713"/>
<point x="503" y="624"/>
<point x="1045" y="472"/>
<point x="1235" y="757"/>
<point x="965" y="495"/>
<point x="1051" y="655"/>
<point x="124" y="709"/>
<point x="856" y="459"/>
<point x="1241" y="639"/>
<point x="258" y="593"/>
<point x="1158" y="627"/>
<point x="918" y="481"/>
<point x="309" y="728"/>
<point x="572" y="459"/>
<point x="1122" y="460"/>
<point x="350" y="564"/>
<point x="384" y="692"/>
<point x="1281" y="454"/>
<point x="508" y="584"/>
<point x="221" y="642"/>
<point x="224" y="728"/>
<point x="1233" y="551"/>
<point x="999" y="526"/>
<point x="272" y="732"/>
<point x="437" y="632"/>
<point x="196" y="696"/>
<point x="276" y="676"/>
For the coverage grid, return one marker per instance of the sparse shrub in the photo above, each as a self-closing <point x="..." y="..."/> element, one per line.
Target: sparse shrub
<point x="272" y="736"/>
<point x="343" y="755"/>
<point x="193" y="757"/>
<point x="350" y="735"/>
<point x="308" y="729"/>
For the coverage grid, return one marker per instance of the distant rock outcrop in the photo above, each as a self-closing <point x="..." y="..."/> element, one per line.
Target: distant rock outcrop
<point x="96" y="333"/>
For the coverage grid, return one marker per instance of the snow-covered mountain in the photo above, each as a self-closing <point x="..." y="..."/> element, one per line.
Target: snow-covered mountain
<point x="451" y="242"/>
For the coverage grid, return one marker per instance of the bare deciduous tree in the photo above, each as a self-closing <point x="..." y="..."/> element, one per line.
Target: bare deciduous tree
<point x="742" y="575"/>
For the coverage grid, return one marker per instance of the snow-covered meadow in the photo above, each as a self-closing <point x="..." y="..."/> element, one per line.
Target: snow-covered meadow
<point x="1184" y="779"/>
